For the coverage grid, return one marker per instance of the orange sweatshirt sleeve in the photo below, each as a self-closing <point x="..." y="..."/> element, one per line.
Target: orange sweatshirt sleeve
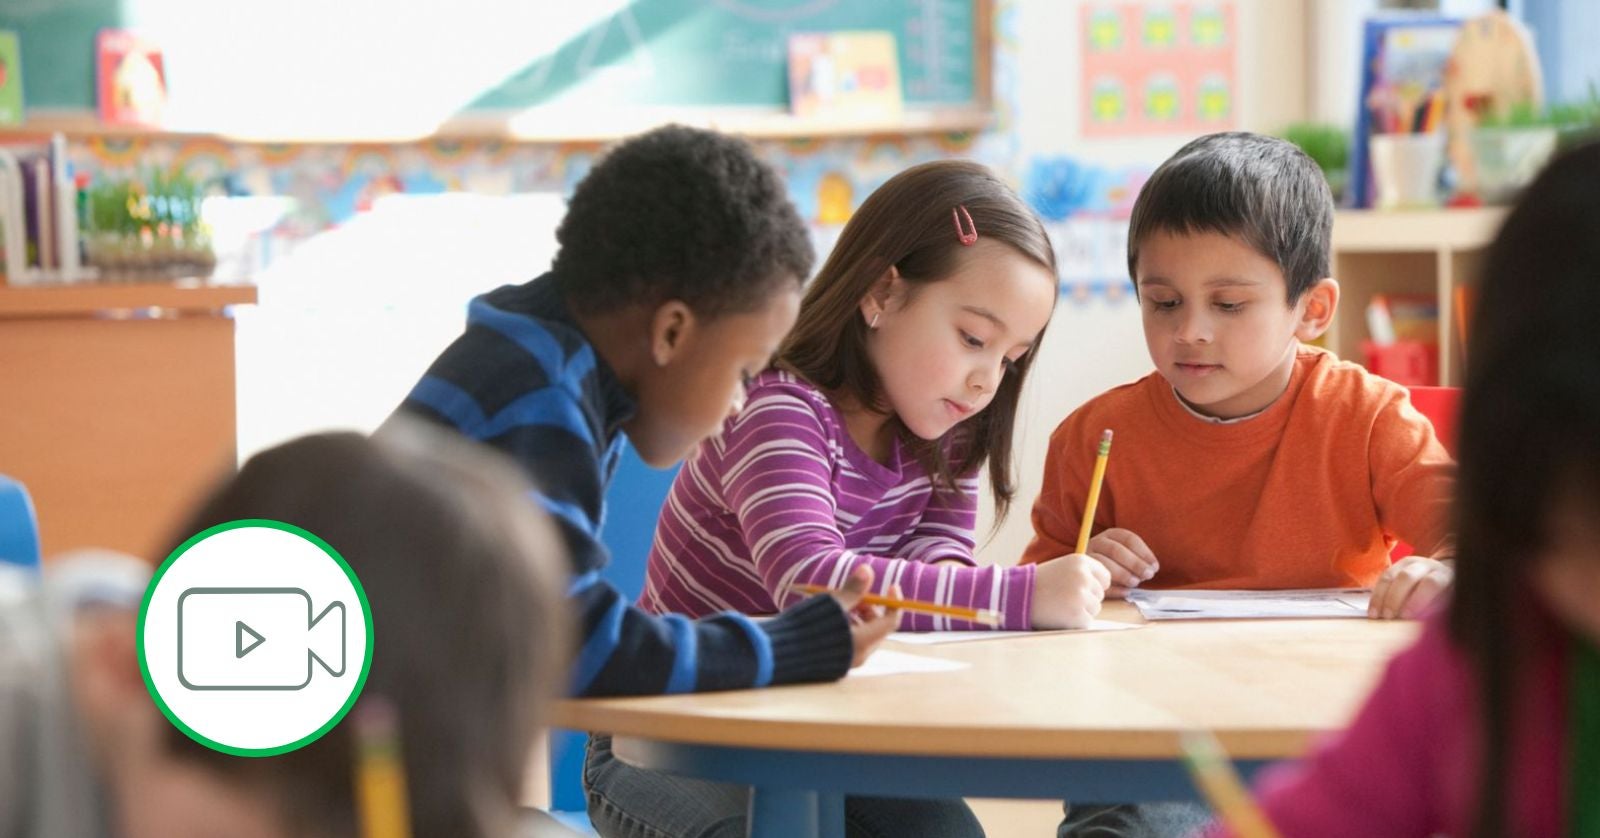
<point x="1413" y="477"/>
<point x="1058" y="512"/>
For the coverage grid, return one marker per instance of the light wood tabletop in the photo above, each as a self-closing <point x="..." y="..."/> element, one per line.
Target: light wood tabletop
<point x="1266" y="687"/>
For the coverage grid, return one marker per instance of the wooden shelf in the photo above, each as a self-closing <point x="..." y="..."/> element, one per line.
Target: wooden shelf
<point x="537" y="126"/>
<point x="1426" y="253"/>
<point x="1373" y="231"/>
<point x="91" y="299"/>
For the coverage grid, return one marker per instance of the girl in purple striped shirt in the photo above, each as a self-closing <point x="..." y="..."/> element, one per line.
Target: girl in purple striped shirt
<point x="863" y="444"/>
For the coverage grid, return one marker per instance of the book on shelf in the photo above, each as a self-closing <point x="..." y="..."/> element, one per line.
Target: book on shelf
<point x="38" y="215"/>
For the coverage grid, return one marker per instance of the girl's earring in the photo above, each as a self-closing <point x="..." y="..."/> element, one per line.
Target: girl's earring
<point x="874" y="323"/>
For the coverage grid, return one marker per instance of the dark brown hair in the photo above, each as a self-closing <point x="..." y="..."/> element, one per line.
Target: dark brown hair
<point x="463" y="577"/>
<point x="1529" y="436"/>
<point x="1261" y="190"/>
<point x="907" y="224"/>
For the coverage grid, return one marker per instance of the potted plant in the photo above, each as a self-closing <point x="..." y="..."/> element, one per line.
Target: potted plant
<point x="1329" y="146"/>
<point x="148" y="227"/>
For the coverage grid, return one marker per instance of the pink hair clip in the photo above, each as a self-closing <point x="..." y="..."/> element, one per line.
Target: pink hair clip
<point x="969" y="235"/>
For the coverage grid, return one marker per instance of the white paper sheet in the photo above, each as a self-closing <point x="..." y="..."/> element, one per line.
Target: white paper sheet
<point x="1318" y="603"/>
<point x="930" y="638"/>
<point x="889" y="662"/>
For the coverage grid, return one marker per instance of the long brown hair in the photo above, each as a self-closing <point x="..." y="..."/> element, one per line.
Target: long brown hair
<point x="907" y="224"/>
<point x="1530" y="434"/>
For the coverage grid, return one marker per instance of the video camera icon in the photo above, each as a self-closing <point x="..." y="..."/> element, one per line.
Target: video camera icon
<point x="256" y="639"/>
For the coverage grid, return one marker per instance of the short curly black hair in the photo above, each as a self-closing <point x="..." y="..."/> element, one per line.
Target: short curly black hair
<point x="685" y="214"/>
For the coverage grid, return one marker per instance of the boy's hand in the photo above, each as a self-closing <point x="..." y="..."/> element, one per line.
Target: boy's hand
<point x="1067" y="592"/>
<point x="869" y="624"/>
<point x="1127" y="557"/>
<point x="1408" y="587"/>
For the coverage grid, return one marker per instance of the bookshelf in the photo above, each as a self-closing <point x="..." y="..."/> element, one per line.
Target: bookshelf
<point x="1425" y="253"/>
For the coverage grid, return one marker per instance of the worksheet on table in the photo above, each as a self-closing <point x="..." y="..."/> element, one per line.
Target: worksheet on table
<point x="1319" y="603"/>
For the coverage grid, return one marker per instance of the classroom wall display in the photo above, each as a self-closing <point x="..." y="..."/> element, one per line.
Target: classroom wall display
<point x="1158" y="68"/>
<point x="844" y="75"/>
<point x="322" y="186"/>
<point x="1086" y="208"/>
<point x="327" y="185"/>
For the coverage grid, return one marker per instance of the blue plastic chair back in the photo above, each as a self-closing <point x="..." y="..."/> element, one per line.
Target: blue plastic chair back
<point x="633" y="503"/>
<point x="19" y="528"/>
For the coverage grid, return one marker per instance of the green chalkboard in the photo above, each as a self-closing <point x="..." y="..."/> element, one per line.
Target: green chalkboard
<point x="735" y="52"/>
<point x="650" y="52"/>
<point x="58" y="48"/>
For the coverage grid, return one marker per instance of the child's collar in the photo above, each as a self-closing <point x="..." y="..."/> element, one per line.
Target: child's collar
<point x="1217" y="420"/>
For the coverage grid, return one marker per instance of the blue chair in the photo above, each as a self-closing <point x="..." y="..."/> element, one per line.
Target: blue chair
<point x="19" y="528"/>
<point x="633" y="503"/>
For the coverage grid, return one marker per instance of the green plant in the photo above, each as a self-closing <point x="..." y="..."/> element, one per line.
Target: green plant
<point x="1328" y="146"/>
<point x="1581" y="113"/>
<point x="147" y="223"/>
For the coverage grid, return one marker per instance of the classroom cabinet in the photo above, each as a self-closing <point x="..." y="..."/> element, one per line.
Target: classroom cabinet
<point x="117" y="405"/>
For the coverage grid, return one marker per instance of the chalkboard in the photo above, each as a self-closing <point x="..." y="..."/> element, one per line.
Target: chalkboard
<point x="735" y="52"/>
<point x="58" y="50"/>
<point x="673" y="53"/>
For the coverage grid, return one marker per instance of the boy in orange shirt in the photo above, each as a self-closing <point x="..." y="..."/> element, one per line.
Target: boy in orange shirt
<point x="1248" y="459"/>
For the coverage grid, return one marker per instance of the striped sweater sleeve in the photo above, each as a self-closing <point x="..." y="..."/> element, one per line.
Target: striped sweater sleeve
<point x="945" y="531"/>
<point x="624" y="650"/>
<point x="776" y="478"/>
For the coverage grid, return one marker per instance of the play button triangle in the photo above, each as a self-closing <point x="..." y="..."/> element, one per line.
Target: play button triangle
<point x="239" y="647"/>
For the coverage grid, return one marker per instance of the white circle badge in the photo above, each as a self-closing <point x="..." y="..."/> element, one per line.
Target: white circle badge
<point x="255" y="637"/>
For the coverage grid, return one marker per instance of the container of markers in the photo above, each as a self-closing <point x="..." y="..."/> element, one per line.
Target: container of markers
<point x="1405" y="169"/>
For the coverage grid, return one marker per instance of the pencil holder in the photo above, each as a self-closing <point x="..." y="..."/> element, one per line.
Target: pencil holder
<point x="1405" y="169"/>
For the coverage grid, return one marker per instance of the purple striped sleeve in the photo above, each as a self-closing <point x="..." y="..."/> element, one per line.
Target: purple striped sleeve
<point x="777" y="478"/>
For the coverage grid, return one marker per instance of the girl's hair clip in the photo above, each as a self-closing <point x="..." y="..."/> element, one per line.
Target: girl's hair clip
<point x="969" y="234"/>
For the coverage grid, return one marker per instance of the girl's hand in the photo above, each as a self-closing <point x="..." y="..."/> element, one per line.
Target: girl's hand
<point x="1067" y="592"/>
<point x="869" y="624"/>
<point x="1408" y="587"/>
<point x="1127" y="557"/>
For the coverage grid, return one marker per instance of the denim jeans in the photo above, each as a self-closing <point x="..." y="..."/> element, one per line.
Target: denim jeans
<point x="1132" y="820"/>
<point x="629" y="802"/>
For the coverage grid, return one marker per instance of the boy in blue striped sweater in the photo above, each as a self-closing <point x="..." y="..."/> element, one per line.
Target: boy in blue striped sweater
<point x="679" y="271"/>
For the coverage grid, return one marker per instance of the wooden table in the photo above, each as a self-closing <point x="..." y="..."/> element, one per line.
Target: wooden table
<point x="1085" y="716"/>
<point x="117" y="405"/>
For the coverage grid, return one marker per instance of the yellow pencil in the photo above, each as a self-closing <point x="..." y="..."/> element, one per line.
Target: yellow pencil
<point x="976" y="615"/>
<point x="1216" y="779"/>
<point x="1094" y="491"/>
<point x="380" y="772"/>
